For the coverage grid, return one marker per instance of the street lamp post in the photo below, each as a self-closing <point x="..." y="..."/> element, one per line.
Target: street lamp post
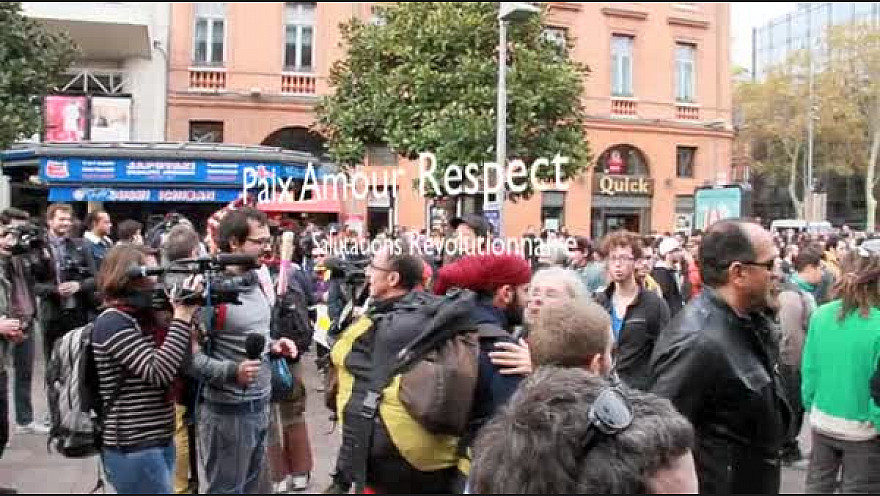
<point x="509" y="12"/>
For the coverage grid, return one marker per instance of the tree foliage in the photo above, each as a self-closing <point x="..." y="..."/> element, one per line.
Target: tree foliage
<point x="31" y="60"/>
<point x="845" y="112"/>
<point x="425" y="80"/>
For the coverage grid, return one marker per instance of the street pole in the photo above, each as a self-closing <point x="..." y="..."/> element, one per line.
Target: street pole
<point x="808" y="191"/>
<point x="501" y="116"/>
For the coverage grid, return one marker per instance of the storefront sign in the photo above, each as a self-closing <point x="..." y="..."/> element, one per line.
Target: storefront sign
<point x="612" y="185"/>
<point x="84" y="170"/>
<point x="193" y="195"/>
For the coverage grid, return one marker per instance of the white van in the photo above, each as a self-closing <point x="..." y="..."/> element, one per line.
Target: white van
<point x="821" y="227"/>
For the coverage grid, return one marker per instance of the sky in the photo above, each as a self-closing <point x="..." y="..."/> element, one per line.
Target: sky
<point x="747" y="15"/>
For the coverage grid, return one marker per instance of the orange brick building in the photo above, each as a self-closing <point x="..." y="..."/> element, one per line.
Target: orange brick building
<point x="658" y="100"/>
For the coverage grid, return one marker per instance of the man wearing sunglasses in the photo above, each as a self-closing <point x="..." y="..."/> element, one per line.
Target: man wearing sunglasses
<point x="718" y="363"/>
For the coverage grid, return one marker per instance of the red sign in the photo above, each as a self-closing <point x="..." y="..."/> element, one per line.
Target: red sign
<point x="615" y="163"/>
<point x="57" y="169"/>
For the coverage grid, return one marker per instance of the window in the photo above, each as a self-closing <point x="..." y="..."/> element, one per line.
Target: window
<point x="206" y="131"/>
<point x="377" y="15"/>
<point x="210" y="34"/>
<point x="381" y="156"/>
<point x="552" y="210"/>
<point x="684" y="73"/>
<point x="684" y="161"/>
<point x="621" y="65"/>
<point x="556" y="35"/>
<point x="299" y="36"/>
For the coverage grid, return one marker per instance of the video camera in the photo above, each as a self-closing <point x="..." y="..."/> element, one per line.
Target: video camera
<point x="31" y="239"/>
<point x="350" y="271"/>
<point x="219" y="286"/>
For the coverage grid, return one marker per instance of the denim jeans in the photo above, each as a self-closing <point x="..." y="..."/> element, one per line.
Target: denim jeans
<point x="232" y="449"/>
<point x="146" y="471"/>
<point x="857" y="460"/>
<point x="4" y="405"/>
<point x="23" y="363"/>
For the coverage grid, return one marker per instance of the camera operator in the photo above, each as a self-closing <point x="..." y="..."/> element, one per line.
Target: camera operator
<point x="65" y="279"/>
<point x="234" y="413"/>
<point x="137" y="360"/>
<point x="16" y="259"/>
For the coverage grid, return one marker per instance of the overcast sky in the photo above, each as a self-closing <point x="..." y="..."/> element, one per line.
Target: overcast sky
<point x="748" y="15"/>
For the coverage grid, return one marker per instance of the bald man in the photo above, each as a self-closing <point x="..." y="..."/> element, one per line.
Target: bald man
<point x="717" y="362"/>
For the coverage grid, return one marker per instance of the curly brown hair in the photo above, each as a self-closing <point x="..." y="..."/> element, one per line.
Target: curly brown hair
<point x="622" y="239"/>
<point x="859" y="284"/>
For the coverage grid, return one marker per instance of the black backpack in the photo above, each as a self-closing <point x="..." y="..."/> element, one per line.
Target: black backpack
<point x="290" y="314"/>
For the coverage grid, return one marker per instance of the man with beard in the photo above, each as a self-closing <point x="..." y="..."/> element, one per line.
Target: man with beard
<point x="501" y="283"/>
<point x="718" y="363"/>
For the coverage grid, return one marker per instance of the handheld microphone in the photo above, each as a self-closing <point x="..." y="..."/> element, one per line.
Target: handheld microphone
<point x="254" y="345"/>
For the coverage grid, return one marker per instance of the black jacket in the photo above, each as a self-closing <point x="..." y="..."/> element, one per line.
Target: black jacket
<point x="720" y="371"/>
<point x="644" y="320"/>
<point x="671" y="292"/>
<point x="82" y="270"/>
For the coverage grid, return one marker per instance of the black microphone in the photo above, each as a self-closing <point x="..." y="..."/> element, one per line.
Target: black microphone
<point x="236" y="259"/>
<point x="254" y="345"/>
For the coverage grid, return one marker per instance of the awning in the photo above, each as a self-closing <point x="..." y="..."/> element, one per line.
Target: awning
<point x="135" y="194"/>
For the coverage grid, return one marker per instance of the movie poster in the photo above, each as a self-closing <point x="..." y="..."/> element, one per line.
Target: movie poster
<point x="65" y="118"/>
<point x="111" y="119"/>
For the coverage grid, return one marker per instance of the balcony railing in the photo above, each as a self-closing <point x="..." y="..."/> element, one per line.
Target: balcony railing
<point x="687" y="112"/>
<point x="294" y="83"/>
<point x="207" y="79"/>
<point x="624" y="107"/>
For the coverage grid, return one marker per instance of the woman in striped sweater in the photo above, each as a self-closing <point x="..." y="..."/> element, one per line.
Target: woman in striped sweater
<point x="137" y="363"/>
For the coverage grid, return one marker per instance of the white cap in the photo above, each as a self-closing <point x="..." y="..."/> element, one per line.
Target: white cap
<point x="667" y="246"/>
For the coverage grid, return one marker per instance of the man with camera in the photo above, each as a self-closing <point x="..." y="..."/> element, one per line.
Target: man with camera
<point x="65" y="279"/>
<point x="16" y="261"/>
<point x="234" y="413"/>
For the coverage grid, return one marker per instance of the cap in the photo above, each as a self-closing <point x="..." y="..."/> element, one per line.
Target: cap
<point x="476" y="222"/>
<point x="667" y="246"/>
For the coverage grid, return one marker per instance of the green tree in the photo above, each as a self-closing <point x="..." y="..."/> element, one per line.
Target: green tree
<point x="31" y="60"/>
<point x="775" y="125"/>
<point x="425" y="81"/>
<point x="850" y="109"/>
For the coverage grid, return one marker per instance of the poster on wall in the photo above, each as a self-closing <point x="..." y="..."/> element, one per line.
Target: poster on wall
<point x="715" y="204"/>
<point x="111" y="119"/>
<point x="65" y="118"/>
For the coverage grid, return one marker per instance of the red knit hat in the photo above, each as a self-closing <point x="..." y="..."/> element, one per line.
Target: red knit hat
<point x="483" y="273"/>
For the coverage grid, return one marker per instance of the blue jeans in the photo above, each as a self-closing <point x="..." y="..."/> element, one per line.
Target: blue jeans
<point x="146" y="471"/>
<point x="232" y="449"/>
<point x="23" y="362"/>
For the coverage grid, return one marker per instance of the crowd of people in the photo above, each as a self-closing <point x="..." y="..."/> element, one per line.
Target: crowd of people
<point x="665" y="363"/>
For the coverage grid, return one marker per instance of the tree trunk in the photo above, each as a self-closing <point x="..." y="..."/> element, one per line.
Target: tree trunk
<point x="871" y="183"/>
<point x="792" y="184"/>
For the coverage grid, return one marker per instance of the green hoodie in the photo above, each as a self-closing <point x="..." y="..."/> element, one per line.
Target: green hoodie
<point x="839" y="359"/>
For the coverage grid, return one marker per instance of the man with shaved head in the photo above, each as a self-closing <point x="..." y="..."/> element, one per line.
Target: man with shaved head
<point x="717" y="363"/>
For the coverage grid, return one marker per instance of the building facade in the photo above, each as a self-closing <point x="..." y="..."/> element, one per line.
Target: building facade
<point x="658" y="100"/>
<point x="115" y="91"/>
<point x="804" y="28"/>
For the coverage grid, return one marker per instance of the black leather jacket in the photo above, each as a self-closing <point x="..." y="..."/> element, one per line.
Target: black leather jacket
<point x="720" y="370"/>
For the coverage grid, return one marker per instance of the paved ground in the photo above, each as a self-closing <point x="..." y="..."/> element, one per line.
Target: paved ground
<point x="28" y="467"/>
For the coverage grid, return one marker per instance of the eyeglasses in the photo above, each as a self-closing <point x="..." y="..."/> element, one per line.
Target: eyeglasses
<point x="380" y="269"/>
<point x="260" y="241"/>
<point x="767" y="265"/>
<point x="609" y="415"/>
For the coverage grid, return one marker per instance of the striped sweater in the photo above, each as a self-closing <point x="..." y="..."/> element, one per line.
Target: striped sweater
<point x="138" y="373"/>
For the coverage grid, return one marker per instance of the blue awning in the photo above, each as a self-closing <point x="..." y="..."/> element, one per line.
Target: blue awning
<point x="136" y="194"/>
